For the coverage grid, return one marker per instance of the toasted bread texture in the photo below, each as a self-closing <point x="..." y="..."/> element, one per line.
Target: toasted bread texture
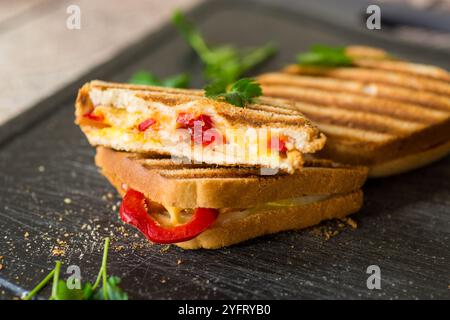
<point x="237" y="227"/>
<point x="192" y="186"/>
<point x="147" y="119"/>
<point x="409" y="162"/>
<point x="374" y="113"/>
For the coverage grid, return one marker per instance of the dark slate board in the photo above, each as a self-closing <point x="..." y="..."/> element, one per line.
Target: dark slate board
<point x="404" y="226"/>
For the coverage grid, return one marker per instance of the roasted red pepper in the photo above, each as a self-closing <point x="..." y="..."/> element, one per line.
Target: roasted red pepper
<point x="281" y="145"/>
<point x="144" y="125"/>
<point x="134" y="211"/>
<point x="95" y="117"/>
<point x="188" y="121"/>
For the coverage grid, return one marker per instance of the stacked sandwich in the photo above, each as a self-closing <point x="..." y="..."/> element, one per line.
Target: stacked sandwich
<point x="205" y="173"/>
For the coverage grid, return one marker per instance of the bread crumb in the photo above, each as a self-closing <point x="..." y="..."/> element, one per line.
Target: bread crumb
<point x="67" y="200"/>
<point x="41" y="169"/>
<point x="58" y="252"/>
<point x="331" y="228"/>
<point x="165" y="248"/>
<point x="352" y="223"/>
<point x="60" y="249"/>
<point x="179" y="261"/>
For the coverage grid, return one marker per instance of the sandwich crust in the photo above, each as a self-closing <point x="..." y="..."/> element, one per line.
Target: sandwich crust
<point x="192" y="186"/>
<point x="238" y="229"/>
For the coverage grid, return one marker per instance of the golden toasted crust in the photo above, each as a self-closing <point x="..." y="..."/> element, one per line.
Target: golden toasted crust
<point x="238" y="229"/>
<point x="374" y="113"/>
<point x="409" y="162"/>
<point x="191" y="186"/>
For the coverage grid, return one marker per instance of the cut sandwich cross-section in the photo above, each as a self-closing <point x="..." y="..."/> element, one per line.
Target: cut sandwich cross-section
<point x="185" y="124"/>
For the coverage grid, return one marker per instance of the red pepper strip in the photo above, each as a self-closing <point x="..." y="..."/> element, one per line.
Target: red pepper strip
<point x="94" y="117"/>
<point x="281" y="145"/>
<point x="144" y="125"/>
<point x="133" y="211"/>
<point x="188" y="121"/>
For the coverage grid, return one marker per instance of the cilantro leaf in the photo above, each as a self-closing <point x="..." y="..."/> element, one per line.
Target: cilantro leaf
<point x="176" y="81"/>
<point x="325" y="56"/>
<point x="222" y="63"/>
<point x="239" y="94"/>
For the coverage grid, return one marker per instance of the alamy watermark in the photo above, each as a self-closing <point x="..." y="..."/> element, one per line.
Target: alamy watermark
<point x="73" y="21"/>
<point x="373" y="21"/>
<point x="374" y="280"/>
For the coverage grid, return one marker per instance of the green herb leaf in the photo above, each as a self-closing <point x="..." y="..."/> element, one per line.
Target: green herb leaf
<point x="222" y="63"/>
<point x="64" y="293"/>
<point x="324" y="56"/>
<point x="177" y="81"/>
<point x="114" y="292"/>
<point x="239" y="94"/>
<point x="110" y="289"/>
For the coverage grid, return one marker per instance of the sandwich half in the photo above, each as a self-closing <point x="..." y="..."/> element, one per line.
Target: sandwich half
<point x="390" y="115"/>
<point x="204" y="206"/>
<point x="185" y="124"/>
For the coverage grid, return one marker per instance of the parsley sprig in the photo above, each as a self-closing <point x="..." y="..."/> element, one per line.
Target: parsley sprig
<point x="180" y="80"/>
<point x="225" y="63"/>
<point x="109" y="290"/>
<point x="238" y="93"/>
<point x="325" y="56"/>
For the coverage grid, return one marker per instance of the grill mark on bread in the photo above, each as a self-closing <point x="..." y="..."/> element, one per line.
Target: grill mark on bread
<point x="359" y="120"/>
<point x="374" y="75"/>
<point x="355" y="102"/>
<point x="266" y="112"/>
<point x="404" y="67"/>
<point x="345" y="134"/>
<point x="170" y="168"/>
<point x="394" y="92"/>
<point x="192" y="171"/>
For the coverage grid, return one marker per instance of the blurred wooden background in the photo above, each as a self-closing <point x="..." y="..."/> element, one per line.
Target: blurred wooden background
<point x="39" y="54"/>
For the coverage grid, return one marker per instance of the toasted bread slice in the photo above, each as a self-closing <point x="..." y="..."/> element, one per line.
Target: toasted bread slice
<point x="377" y="112"/>
<point x="183" y="123"/>
<point x="235" y="227"/>
<point x="191" y="186"/>
<point x="250" y="205"/>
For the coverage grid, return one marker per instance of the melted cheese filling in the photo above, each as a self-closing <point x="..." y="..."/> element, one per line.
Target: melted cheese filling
<point x="124" y="111"/>
<point x="174" y="216"/>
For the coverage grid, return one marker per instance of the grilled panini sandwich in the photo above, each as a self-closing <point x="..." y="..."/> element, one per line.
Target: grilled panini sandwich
<point x="388" y="114"/>
<point x="204" y="206"/>
<point x="184" y="123"/>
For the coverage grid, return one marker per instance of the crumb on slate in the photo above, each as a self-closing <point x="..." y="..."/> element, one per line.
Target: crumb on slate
<point x="331" y="228"/>
<point x="165" y="248"/>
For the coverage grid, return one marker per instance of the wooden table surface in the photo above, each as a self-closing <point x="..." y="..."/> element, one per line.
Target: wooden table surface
<point x="39" y="54"/>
